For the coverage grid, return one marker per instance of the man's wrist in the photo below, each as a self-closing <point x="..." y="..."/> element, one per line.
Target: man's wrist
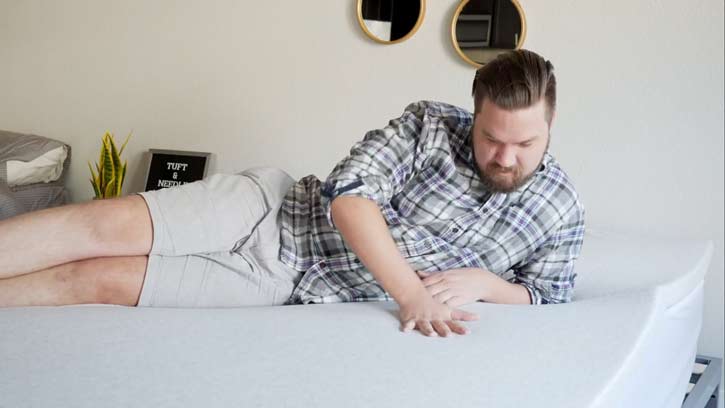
<point x="499" y="290"/>
<point x="489" y="284"/>
<point x="411" y="294"/>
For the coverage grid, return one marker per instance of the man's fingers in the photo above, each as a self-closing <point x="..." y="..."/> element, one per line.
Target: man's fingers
<point x="443" y="296"/>
<point x="423" y="274"/>
<point x="425" y="328"/>
<point x="441" y="328"/>
<point x="456" y="301"/>
<point x="439" y="291"/>
<point x="457" y="327"/>
<point x="408" y="326"/>
<point x="458" y="314"/>
<point x="432" y="280"/>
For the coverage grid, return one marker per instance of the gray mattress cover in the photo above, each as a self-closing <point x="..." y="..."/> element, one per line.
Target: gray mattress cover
<point x="346" y="354"/>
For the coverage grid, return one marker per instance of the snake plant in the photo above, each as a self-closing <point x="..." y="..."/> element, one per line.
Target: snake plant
<point x="108" y="181"/>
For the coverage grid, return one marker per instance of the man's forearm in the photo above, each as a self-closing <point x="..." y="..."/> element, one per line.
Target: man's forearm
<point x="364" y="229"/>
<point x="499" y="290"/>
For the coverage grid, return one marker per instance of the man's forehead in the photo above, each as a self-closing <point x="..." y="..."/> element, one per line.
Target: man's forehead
<point x="520" y="124"/>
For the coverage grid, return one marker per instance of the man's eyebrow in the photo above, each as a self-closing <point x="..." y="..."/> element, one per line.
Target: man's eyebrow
<point x="529" y="140"/>
<point x="490" y="136"/>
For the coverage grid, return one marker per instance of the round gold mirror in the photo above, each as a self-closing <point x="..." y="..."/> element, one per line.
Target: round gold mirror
<point x="482" y="29"/>
<point x="390" y="21"/>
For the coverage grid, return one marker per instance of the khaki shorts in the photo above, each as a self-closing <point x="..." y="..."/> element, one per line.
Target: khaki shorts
<point x="216" y="242"/>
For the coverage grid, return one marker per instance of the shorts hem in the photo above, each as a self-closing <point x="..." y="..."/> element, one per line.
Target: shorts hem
<point x="157" y="237"/>
<point x="150" y="280"/>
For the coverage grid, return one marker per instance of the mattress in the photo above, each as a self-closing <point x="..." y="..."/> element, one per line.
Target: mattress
<point x="625" y="341"/>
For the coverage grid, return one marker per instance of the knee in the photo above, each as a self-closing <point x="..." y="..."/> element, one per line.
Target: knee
<point x="79" y="282"/>
<point x="114" y="281"/>
<point x="119" y="280"/>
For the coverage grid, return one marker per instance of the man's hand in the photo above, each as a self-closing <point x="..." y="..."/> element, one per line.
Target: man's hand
<point x="431" y="317"/>
<point x="456" y="287"/>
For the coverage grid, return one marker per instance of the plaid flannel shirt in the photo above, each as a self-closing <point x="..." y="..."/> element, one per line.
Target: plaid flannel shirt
<point x="421" y="172"/>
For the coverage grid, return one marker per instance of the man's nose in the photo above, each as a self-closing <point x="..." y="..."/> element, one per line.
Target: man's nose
<point x="506" y="156"/>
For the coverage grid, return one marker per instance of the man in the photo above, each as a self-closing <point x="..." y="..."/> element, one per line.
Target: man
<point x="431" y="211"/>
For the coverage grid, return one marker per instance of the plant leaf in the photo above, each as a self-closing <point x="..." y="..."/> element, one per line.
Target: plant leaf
<point x="116" y="157"/>
<point x="94" y="180"/>
<point x="109" y="170"/>
<point x="110" y="188"/>
<point x="119" y="183"/>
<point x="93" y="173"/>
<point x="95" y="189"/>
<point x="101" y="156"/>
<point x="120" y="152"/>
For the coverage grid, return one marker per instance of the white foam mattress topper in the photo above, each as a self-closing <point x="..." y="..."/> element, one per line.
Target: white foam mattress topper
<point x="350" y="354"/>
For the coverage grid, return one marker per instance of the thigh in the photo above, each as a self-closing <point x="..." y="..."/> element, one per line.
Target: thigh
<point x="122" y="226"/>
<point x="223" y="279"/>
<point x="206" y="216"/>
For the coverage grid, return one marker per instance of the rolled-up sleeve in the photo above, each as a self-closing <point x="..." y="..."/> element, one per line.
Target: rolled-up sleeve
<point x="379" y="165"/>
<point x="549" y="274"/>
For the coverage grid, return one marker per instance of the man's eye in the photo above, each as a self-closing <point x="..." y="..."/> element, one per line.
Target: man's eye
<point x="525" y="144"/>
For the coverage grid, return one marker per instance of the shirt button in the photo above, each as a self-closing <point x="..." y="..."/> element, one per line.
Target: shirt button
<point x="455" y="230"/>
<point x="357" y="261"/>
<point x="323" y="264"/>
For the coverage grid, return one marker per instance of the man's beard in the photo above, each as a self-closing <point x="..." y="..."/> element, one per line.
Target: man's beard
<point x="498" y="179"/>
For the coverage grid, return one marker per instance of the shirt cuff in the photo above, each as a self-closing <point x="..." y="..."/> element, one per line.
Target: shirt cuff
<point x="356" y="188"/>
<point x="534" y="294"/>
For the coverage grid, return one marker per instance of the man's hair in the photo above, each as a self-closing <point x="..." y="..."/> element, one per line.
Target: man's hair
<point x="516" y="79"/>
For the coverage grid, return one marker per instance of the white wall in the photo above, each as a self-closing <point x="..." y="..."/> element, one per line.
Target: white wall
<point x="640" y="125"/>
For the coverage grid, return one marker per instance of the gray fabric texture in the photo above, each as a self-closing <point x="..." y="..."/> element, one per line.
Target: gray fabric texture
<point x="18" y="199"/>
<point x="9" y="205"/>
<point x="39" y="196"/>
<point x="26" y="147"/>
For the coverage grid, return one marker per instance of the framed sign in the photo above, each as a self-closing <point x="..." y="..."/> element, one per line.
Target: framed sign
<point x="169" y="168"/>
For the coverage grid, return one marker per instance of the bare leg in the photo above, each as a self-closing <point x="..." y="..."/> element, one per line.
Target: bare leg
<point x="116" y="280"/>
<point x="43" y="239"/>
